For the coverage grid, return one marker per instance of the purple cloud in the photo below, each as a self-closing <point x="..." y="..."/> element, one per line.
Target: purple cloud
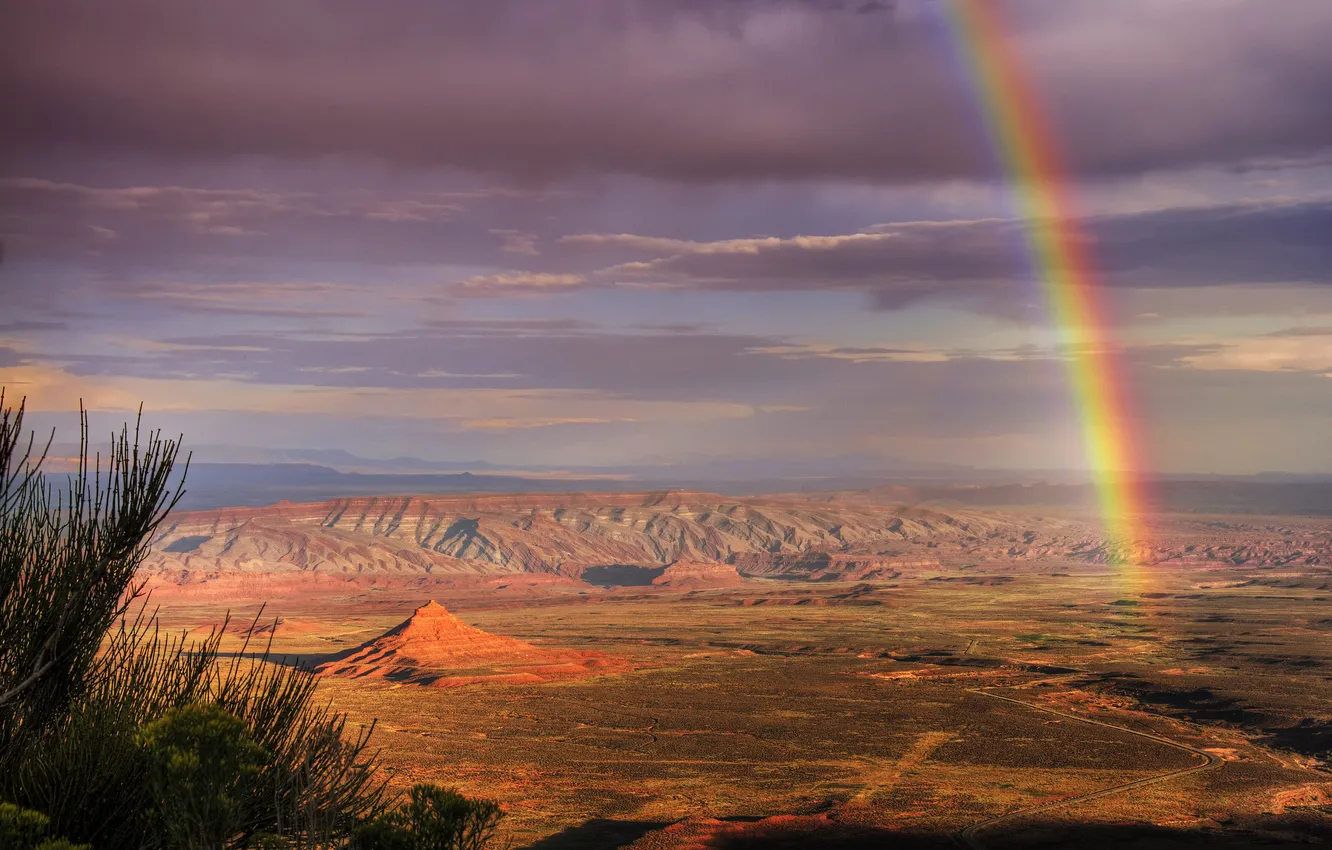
<point x="986" y="260"/>
<point x="674" y="89"/>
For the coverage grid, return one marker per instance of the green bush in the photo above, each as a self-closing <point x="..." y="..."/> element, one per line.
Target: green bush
<point x="24" y="829"/>
<point x="203" y="766"/>
<point x="316" y="781"/>
<point x="67" y="562"/>
<point x="82" y="670"/>
<point x="383" y="833"/>
<point x="21" y="828"/>
<point x="433" y="818"/>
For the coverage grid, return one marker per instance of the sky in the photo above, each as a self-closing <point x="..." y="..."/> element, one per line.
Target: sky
<point x="602" y="232"/>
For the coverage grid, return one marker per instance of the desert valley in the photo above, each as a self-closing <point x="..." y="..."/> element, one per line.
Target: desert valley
<point x="686" y="670"/>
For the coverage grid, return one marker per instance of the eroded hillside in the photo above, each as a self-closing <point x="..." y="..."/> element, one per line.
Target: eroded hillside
<point x="563" y="535"/>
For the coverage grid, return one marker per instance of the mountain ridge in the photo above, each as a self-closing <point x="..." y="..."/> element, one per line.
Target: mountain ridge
<point x="791" y="537"/>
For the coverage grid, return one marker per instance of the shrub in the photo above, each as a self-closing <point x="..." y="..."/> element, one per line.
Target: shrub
<point x="67" y="564"/>
<point x="316" y="781"/>
<point x="80" y="673"/>
<point x="433" y="818"/>
<point x="202" y="767"/>
<point x="21" y="828"/>
<point x="24" y="829"/>
<point x="383" y="833"/>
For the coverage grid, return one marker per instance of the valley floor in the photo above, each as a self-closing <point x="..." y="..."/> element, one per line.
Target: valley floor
<point x="872" y="706"/>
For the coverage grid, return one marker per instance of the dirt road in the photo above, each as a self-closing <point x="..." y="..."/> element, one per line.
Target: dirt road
<point x="1209" y="761"/>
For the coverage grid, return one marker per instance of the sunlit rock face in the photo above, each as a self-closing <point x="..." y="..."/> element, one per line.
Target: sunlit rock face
<point x="433" y="647"/>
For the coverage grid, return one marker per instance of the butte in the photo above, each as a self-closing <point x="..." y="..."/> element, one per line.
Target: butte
<point x="435" y="648"/>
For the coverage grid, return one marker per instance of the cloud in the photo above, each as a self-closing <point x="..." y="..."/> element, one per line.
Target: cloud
<point x="221" y="210"/>
<point x="51" y="388"/>
<point x="549" y="378"/>
<point x="1293" y="350"/>
<point x="28" y="326"/>
<point x="508" y="284"/>
<point x="173" y="245"/>
<point x="525" y="424"/>
<point x="72" y="242"/>
<point x="517" y="242"/>
<point x="671" y="89"/>
<point x="907" y="259"/>
<point x="859" y="354"/>
<point x="298" y="299"/>
<point x="566" y="391"/>
<point x="290" y="214"/>
<point x="986" y="260"/>
<point x="502" y="328"/>
<point x="609" y="394"/>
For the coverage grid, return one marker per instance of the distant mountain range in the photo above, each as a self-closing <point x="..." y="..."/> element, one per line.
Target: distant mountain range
<point x="684" y="537"/>
<point x="708" y="468"/>
<point x="217" y="485"/>
<point x="223" y="476"/>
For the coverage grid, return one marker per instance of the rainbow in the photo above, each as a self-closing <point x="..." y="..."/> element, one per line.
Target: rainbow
<point x="1058" y="249"/>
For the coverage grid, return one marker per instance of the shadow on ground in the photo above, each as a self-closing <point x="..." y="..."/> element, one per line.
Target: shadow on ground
<point x="621" y="575"/>
<point x="308" y="660"/>
<point x="600" y="834"/>
<point x="597" y="834"/>
<point x="1305" y="735"/>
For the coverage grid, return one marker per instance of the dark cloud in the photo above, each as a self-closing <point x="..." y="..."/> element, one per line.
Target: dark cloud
<point x="352" y="198"/>
<point x="1242" y="243"/>
<point x="25" y="326"/>
<point x="1303" y="332"/>
<point x="144" y="225"/>
<point x="676" y="89"/>
<point x="265" y="252"/>
<point x="988" y="260"/>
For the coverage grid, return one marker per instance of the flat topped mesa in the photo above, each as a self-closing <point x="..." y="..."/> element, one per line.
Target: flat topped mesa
<point x="693" y="575"/>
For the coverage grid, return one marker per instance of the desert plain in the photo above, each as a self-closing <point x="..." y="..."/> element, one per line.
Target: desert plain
<point x="687" y="670"/>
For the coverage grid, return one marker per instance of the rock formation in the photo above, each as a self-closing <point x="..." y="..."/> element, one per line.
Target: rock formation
<point x="542" y="533"/>
<point x="477" y="538"/>
<point x="433" y="647"/>
<point x="698" y="575"/>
